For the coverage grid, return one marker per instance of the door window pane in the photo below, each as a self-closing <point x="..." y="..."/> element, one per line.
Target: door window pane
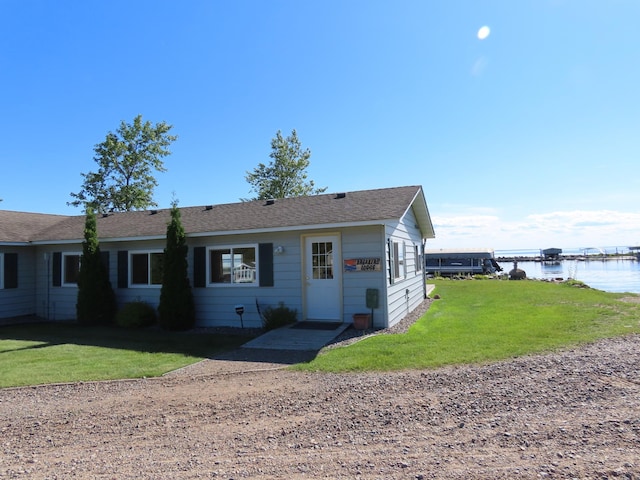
<point x="322" y="260"/>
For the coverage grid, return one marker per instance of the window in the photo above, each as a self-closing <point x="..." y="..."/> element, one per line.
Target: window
<point x="1" y="271"/>
<point x="147" y="268"/>
<point x="417" y="258"/>
<point x="397" y="261"/>
<point x="70" y="268"/>
<point x="402" y="263"/>
<point x="322" y="260"/>
<point x="233" y="265"/>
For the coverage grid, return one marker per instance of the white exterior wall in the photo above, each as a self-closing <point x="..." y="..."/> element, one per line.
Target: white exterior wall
<point x="54" y="303"/>
<point x="149" y="294"/>
<point x="15" y="302"/>
<point x="364" y="242"/>
<point x="406" y="292"/>
<point x="215" y="304"/>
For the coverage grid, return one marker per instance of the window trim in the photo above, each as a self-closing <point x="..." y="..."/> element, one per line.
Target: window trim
<point x="148" y="253"/>
<point x="1" y="270"/>
<point x="256" y="280"/>
<point x="418" y="259"/>
<point x="63" y="280"/>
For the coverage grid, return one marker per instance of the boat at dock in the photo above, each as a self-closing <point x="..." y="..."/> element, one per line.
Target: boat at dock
<point x="461" y="261"/>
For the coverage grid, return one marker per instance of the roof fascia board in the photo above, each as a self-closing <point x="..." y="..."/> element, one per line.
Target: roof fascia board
<point x="222" y="233"/>
<point x="296" y="228"/>
<point x="430" y="233"/>
<point x="104" y="240"/>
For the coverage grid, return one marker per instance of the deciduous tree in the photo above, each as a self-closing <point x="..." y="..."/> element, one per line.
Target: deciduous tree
<point x="286" y="174"/>
<point x="127" y="161"/>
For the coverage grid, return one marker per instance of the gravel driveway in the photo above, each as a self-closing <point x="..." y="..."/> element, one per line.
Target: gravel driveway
<point x="572" y="414"/>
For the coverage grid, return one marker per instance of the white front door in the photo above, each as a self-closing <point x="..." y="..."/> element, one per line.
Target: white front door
<point x="323" y="281"/>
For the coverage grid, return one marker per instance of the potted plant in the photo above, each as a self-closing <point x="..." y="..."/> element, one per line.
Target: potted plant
<point x="361" y="321"/>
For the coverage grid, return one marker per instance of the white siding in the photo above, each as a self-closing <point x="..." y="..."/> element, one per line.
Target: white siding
<point x="54" y="303"/>
<point x="215" y="305"/>
<point x="364" y="242"/>
<point x="15" y="302"/>
<point x="406" y="293"/>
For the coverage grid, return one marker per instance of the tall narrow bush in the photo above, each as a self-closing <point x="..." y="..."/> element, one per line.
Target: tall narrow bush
<point x="176" y="309"/>
<point x="96" y="302"/>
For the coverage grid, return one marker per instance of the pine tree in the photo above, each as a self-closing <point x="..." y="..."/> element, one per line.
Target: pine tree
<point x="96" y="302"/>
<point x="176" y="309"/>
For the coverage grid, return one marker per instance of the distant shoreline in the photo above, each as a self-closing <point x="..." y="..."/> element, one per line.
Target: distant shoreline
<point x="591" y="257"/>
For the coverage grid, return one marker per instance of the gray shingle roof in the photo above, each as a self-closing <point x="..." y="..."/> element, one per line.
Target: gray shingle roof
<point x="362" y="207"/>
<point x="21" y="227"/>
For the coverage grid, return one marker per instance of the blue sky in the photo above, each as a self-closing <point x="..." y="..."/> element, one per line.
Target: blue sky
<point x="529" y="138"/>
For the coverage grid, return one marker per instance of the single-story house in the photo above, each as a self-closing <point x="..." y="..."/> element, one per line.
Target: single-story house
<point x="317" y="254"/>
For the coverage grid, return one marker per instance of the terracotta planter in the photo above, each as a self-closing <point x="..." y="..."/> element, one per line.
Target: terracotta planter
<point x="361" y="321"/>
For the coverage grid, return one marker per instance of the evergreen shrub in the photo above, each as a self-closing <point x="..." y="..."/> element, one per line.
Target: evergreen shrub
<point x="177" y="308"/>
<point x="96" y="300"/>
<point x="276" y="317"/>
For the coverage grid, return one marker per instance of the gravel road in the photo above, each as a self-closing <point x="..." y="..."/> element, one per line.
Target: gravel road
<point x="571" y="414"/>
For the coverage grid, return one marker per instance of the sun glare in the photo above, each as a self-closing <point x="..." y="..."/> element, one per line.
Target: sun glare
<point x="484" y="32"/>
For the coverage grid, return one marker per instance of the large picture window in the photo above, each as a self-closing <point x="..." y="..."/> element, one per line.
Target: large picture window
<point x="233" y="265"/>
<point x="147" y="268"/>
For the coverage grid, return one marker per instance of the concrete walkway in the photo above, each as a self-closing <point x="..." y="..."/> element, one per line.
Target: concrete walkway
<point x="299" y="339"/>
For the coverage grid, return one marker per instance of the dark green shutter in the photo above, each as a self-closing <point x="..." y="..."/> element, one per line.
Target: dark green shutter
<point x="199" y="267"/>
<point x="56" y="269"/>
<point x="265" y="270"/>
<point x="123" y="269"/>
<point x="10" y="270"/>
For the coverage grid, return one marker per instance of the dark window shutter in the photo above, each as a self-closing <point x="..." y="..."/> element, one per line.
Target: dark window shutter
<point x="391" y="261"/>
<point x="56" y="269"/>
<point x="10" y="270"/>
<point x="123" y="269"/>
<point x="265" y="270"/>
<point x="199" y="267"/>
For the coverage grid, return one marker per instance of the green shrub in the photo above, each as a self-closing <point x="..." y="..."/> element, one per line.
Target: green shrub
<point x="136" y="315"/>
<point x="176" y="310"/>
<point x="276" y="317"/>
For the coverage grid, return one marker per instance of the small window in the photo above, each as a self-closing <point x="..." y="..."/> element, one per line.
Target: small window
<point x="322" y="260"/>
<point x="397" y="261"/>
<point x="70" y="268"/>
<point x="233" y="265"/>
<point x="147" y="268"/>
<point x="417" y="258"/>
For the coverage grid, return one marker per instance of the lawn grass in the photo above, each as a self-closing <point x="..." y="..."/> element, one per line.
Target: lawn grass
<point x="478" y="321"/>
<point x="52" y="353"/>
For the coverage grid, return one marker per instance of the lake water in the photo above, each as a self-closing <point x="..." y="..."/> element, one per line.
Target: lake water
<point x="613" y="275"/>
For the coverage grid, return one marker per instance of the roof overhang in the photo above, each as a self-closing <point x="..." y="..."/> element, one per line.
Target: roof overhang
<point x="421" y="212"/>
<point x="225" y="233"/>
